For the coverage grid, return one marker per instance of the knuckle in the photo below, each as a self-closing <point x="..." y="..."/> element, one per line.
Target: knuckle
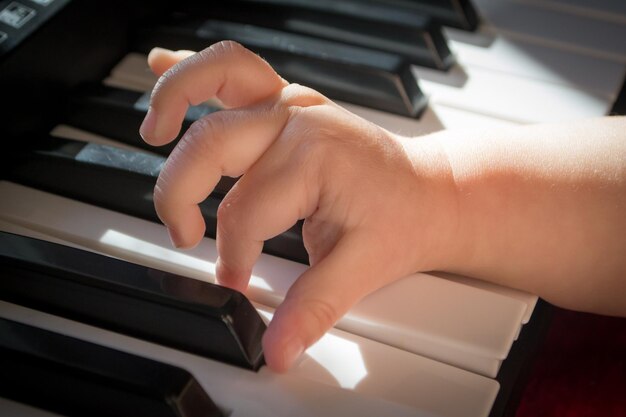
<point x="203" y="137"/>
<point x="296" y="95"/>
<point x="221" y="49"/>
<point x="162" y="82"/>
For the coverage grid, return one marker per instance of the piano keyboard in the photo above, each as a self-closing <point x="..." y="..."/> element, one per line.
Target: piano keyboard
<point x="427" y="345"/>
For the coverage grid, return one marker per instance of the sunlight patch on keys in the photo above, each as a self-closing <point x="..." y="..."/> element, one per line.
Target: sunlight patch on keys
<point x="342" y="358"/>
<point x="490" y="50"/>
<point x="125" y="242"/>
<point x="340" y="353"/>
<point x="580" y="34"/>
<point x="508" y="97"/>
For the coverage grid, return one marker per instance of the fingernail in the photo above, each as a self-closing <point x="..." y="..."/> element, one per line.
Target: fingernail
<point x="176" y="239"/>
<point x="292" y="351"/>
<point x="148" y="126"/>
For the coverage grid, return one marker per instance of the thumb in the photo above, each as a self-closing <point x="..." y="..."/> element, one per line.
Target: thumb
<point x="319" y="298"/>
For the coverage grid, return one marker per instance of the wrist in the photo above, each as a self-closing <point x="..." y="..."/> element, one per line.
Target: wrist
<point x="443" y="236"/>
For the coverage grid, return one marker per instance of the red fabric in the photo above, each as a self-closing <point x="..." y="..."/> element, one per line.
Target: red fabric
<point x="580" y="370"/>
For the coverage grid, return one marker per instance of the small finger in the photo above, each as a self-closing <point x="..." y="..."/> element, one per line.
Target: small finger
<point x="237" y="76"/>
<point x="161" y="59"/>
<point x="225" y="143"/>
<point x="273" y="195"/>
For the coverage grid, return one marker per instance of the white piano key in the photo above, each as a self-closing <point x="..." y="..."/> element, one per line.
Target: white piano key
<point x="237" y="391"/>
<point x="512" y="98"/>
<point x="499" y="52"/>
<point x="70" y="132"/>
<point x="374" y="369"/>
<point x="450" y="322"/>
<point x="132" y="73"/>
<point x="529" y="299"/>
<point x="575" y="32"/>
<point x="18" y="229"/>
<point x="611" y="10"/>
<point x="434" y="118"/>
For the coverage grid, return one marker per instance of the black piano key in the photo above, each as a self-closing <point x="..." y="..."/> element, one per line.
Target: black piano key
<point x="116" y="179"/>
<point x="619" y="105"/>
<point x="75" y="378"/>
<point x="172" y="310"/>
<point x="421" y="42"/>
<point x="94" y="106"/>
<point x="455" y="13"/>
<point x="340" y="71"/>
<point x="117" y="113"/>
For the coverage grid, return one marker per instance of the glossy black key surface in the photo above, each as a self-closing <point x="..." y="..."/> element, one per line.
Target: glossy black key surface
<point x="172" y="310"/>
<point x="19" y="21"/>
<point x="117" y="113"/>
<point x="117" y="179"/>
<point x="340" y="71"/>
<point x="456" y="13"/>
<point x="421" y="42"/>
<point x="75" y="378"/>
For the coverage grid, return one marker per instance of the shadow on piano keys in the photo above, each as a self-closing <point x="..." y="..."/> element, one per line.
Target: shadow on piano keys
<point x="431" y="344"/>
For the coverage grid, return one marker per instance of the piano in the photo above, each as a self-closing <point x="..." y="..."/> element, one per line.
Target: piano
<point x="75" y="187"/>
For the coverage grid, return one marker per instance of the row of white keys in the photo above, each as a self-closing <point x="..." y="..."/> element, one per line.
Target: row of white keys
<point x="509" y="97"/>
<point x="530" y="64"/>
<point x="576" y="32"/>
<point x="610" y="10"/>
<point x="489" y="49"/>
<point x="340" y="360"/>
<point x="529" y="299"/>
<point x="454" y="323"/>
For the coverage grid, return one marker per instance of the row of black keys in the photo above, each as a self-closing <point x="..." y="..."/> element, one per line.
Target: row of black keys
<point x="357" y="51"/>
<point x="76" y="170"/>
<point x="77" y="378"/>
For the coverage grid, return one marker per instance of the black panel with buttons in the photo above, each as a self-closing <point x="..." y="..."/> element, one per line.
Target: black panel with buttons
<point x="18" y="19"/>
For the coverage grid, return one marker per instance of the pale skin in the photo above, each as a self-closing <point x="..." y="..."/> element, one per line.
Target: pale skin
<point x="540" y="208"/>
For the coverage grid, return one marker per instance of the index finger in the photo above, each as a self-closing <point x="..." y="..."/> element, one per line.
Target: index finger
<point x="223" y="70"/>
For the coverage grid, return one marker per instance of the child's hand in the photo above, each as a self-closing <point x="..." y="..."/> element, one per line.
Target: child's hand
<point x="377" y="207"/>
